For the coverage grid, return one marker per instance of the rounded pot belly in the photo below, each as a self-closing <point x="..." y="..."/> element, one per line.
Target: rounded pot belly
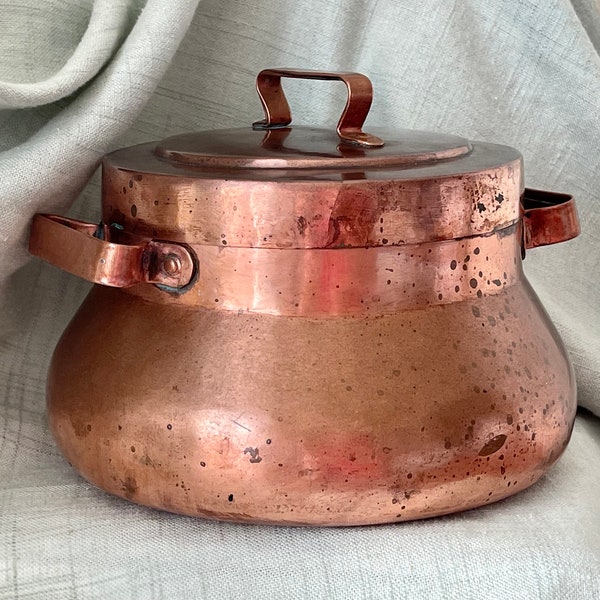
<point x="346" y="420"/>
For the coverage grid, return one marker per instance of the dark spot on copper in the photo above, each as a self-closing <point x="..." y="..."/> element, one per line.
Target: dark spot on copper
<point x="129" y="486"/>
<point x="453" y="265"/>
<point x="230" y="498"/>
<point x="169" y="426"/>
<point x="476" y="311"/>
<point x="302" y="224"/>
<point x="473" y="283"/>
<point x="476" y="251"/>
<point x="254" y="455"/>
<point x="133" y="210"/>
<point x="493" y="445"/>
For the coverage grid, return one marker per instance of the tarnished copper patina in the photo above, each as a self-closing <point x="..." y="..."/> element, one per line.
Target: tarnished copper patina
<point x="311" y="327"/>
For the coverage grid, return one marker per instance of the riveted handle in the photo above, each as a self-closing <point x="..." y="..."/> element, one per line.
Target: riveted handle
<point x="349" y="127"/>
<point x="548" y="218"/>
<point x="108" y="255"/>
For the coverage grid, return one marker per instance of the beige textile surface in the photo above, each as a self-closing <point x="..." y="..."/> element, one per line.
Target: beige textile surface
<point x="78" y="78"/>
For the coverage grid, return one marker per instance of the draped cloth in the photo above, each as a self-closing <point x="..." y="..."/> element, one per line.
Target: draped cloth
<point x="79" y="78"/>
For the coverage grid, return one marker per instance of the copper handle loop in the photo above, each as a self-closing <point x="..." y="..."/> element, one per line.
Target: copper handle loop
<point x="549" y="218"/>
<point x="349" y="127"/>
<point x="107" y="255"/>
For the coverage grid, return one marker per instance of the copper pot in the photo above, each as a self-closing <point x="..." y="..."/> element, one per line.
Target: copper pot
<point x="299" y="326"/>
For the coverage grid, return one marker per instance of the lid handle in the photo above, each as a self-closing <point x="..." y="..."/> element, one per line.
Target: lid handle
<point x="349" y="127"/>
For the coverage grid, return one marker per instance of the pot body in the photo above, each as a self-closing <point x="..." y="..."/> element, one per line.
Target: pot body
<point x="310" y="327"/>
<point x="407" y="409"/>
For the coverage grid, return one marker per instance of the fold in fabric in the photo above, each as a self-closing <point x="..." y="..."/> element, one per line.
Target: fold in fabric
<point x="49" y="169"/>
<point x="106" y="30"/>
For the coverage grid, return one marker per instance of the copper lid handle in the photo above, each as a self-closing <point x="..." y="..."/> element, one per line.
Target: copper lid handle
<point x="108" y="255"/>
<point x="349" y="127"/>
<point x="549" y="218"/>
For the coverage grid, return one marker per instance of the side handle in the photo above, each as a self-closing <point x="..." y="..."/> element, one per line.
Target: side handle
<point x="548" y="218"/>
<point x="108" y="255"/>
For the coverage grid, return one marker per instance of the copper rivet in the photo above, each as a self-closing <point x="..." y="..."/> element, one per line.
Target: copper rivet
<point x="171" y="265"/>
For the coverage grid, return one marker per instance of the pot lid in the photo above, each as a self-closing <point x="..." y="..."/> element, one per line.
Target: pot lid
<point x="307" y="148"/>
<point x="272" y="144"/>
<point x="277" y="186"/>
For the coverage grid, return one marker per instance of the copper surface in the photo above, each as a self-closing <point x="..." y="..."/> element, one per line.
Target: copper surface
<point x="305" y="148"/>
<point x="349" y="128"/>
<point x="353" y="281"/>
<point x="291" y="420"/>
<point x="353" y="344"/>
<point x="297" y="208"/>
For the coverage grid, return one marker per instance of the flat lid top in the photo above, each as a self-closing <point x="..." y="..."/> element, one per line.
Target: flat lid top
<point x="307" y="148"/>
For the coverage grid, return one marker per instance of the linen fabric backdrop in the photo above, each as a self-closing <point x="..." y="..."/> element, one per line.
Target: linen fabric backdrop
<point x="79" y="78"/>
